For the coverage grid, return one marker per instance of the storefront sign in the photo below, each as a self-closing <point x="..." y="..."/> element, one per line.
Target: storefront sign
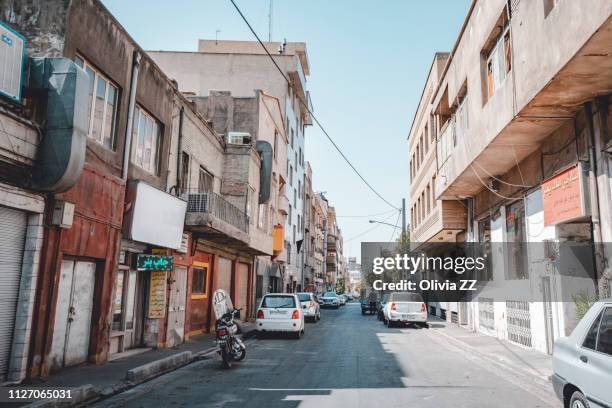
<point x="563" y="197"/>
<point x="156" y="217"/>
<point x="154" y="263"/>
<point x="157" y="295"/>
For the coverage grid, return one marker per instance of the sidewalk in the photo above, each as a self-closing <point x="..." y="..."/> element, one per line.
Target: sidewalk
<point x="90" y="382"/>
<point x="526" y="360"/>
<point x="529" y="369"/>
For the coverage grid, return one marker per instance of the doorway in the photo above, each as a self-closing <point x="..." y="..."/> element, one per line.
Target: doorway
<point x="176" y="308"/>
<point x="73" y="313"/>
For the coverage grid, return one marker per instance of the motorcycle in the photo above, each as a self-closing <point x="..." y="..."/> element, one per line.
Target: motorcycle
<point x="231" y="348"/>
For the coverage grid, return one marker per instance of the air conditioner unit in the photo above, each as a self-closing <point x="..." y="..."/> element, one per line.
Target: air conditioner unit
<point x="239" y="138"/>
<point x="12" y="45"/>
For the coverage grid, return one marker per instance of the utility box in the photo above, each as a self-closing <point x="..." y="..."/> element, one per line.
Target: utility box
<point x="63" y="214"/>
<point x="12" y="46"/>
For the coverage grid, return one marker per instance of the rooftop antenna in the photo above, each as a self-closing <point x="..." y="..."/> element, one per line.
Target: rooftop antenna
<point x="217" y="36"/>
<point x="270" y="22"/>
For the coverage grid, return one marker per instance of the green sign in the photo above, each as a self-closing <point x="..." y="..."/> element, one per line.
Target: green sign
<point x="154" y="263"/>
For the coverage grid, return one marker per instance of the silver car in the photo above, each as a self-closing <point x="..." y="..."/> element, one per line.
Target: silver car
<point x="404" y="308"/>
<point x="582" y="362"/>
<point x="310" y="306"/>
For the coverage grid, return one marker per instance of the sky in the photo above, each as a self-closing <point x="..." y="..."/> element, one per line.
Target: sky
<point x="368" y="63"/>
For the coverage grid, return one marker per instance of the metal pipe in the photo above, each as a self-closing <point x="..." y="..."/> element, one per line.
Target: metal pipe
<point x="594" y="197"/>
<point x="127" y="145"/>
<point x="179" y="157"/>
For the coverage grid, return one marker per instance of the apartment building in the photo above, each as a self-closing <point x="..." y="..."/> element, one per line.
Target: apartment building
<point x="520" y="107"/>
<point x="320" y="241"/>
<point x="309" y="244"/>
<point x="240" y="67"/>
<point x="147" y="209"/>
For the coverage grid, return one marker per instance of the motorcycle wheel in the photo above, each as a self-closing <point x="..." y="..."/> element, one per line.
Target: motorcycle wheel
<point x="227" y="358"/>
<point x="240" y="355"/>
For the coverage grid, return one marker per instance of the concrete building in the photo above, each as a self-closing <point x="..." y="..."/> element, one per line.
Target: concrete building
<point x="320" y="241"/>
<point x="521" y="103"/>
<point x="240" y="67"/>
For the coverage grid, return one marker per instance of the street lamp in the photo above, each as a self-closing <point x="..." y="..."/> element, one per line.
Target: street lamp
<point x="382" y="222"/>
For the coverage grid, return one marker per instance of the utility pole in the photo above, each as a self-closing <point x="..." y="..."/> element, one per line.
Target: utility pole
<point x="403" y="217"/>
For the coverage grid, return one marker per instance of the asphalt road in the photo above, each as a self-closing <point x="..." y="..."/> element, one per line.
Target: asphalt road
<point x="345" y="360"/>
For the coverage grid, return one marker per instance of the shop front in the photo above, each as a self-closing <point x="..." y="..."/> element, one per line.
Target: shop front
<point x="148" y="309"/>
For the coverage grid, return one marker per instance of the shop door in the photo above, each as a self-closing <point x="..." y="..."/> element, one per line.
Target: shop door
<point x="176" y="308"/>
<point x="12" y="239"/>
<point x="224" y="275"/>
<point x="241" y="287"/>
<point x="73" y="313"/>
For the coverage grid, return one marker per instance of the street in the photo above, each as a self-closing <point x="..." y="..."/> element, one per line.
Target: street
<point x="346" y="359"/>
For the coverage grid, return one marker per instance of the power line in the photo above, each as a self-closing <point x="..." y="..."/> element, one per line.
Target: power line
<point x="365" y="216"/>
<point x="310" y="111"/>
<point x="395" y="227"/>
<point x="368" y="230"/>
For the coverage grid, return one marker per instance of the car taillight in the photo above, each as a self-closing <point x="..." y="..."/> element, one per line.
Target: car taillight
<point x="260" y="314"/>
<point x="393" y="307"/>
<point x="296" y="314"/>
<point x="423" y="309"/>
<point x="222" y="332"/>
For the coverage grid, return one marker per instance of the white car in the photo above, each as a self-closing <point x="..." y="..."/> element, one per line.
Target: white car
<point x="330" y="299"/>
<point x="280" y="312"/>
<point x="342" y="300"/>
<point x="405" y="307"/>
<point x="310" y="306"/>
<point x="582" y="362"/>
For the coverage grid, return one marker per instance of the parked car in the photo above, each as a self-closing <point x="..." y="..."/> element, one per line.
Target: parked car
<point x="342" y="300"/>
<point x="381" y="305"/>
<point x="310" y="306"/>
<point x="349" y="297"/>
<point x="330" y="299"/>
<point x="405" y="307"/>
<point x="582" y="362"/>
<point x="280" y="312"/>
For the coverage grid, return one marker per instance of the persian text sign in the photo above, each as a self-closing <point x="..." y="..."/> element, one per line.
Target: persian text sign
<point x="154" y="263"/>
<point x="562" y="197"/>
<point x="157" y="295"/>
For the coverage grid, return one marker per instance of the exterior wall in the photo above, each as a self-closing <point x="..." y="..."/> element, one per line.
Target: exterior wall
<point x="241" y="67"/>
<point x="537" y="69"/>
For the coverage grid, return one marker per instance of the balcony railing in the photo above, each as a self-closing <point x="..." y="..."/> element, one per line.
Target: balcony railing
<point x="218" y="207"/>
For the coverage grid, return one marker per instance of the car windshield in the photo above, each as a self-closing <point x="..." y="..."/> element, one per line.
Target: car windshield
<point x="278" y="302"/>
<point x="405" y="297"/>
<point x="329" y="294"/>
<point x="304" y="297"/>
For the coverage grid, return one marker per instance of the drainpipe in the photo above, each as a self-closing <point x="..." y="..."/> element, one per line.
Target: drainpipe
<point x="594" y="198"/>
<point x="127" y="147"/>
<point x="179" y="157"/>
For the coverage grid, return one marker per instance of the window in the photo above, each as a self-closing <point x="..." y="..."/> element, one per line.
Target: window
<point x="295" y="197"/>
<point x="198" y="280"/>
<point x="184" y="171"/>
<point x="296" y="161"/>
<point x="261" y="216"/>
<point x="499" y="60"/>
<point x="461" y="120"/>
<point x="604" y="340"/>
<point x="301" y="157"/>
<point x="590" y="341"/>
<point x="516" y="236"/>
<point x="289" y="219"/>
<point x="294" y="233"/>
<point x="102" y="105"/>
<point x="146" y="141"/>
<point x="292" y="138"/>
<point x="275" y="143"/>
<point x="205" y="181"/>
<point x="290" y="175"/>
<point x="549" y="5"/>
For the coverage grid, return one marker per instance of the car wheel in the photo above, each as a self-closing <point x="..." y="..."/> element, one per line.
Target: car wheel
<point x="319" y="316"/>
<point x="298" y="334"/>
<point x="578" y="400"/>
<point x="363" y="312"/>
<point x="389" y="323"/>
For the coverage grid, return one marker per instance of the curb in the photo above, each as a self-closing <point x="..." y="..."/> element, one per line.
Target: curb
<point x="87" y="393"/>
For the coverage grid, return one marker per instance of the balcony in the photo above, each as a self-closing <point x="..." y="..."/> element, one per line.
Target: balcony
<point x="222" y="221"/>
<point x="442" y="224"/>
<point x="283" y="204"/>
<point x="547" y="85"/>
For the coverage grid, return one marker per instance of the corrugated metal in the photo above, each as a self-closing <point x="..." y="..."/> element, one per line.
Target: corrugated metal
<point x="12" y="239"/>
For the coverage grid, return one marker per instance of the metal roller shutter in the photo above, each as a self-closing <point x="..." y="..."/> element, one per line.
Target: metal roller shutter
<point x="12" y="238"/>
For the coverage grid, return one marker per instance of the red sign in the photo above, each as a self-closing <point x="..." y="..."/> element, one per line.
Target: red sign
<point x="562" y="196"/>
